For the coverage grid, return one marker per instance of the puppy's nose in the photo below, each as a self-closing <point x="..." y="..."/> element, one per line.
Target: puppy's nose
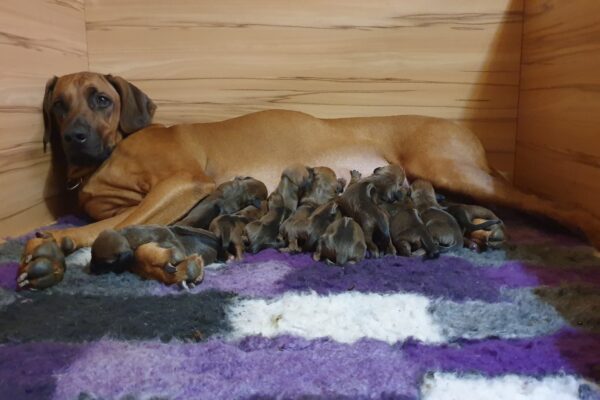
<point x="78" y="137"/>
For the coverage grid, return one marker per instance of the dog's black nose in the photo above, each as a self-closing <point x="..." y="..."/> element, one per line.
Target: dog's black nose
<point x="77" y="137"/>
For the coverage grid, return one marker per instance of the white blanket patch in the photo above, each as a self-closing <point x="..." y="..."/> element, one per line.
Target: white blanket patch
<point x="345" y="317"/>
<point x="447" y="386"/>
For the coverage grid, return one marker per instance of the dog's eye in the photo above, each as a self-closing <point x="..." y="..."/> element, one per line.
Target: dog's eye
<point x="103" y="101"/>
<point x="59" y="108"/>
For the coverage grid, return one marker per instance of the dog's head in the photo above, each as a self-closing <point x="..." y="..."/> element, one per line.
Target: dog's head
<point x="90" y="113"/>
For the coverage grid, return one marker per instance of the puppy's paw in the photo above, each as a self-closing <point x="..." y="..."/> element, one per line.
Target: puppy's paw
<point x="42" y="264"/>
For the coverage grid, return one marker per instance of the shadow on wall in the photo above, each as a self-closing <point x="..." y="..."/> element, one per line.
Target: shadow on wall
<point x="491" y="109"/>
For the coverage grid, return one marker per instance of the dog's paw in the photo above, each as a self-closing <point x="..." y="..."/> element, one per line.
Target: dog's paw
<point x="42" y="264"/>
<point x="168" y="265"/>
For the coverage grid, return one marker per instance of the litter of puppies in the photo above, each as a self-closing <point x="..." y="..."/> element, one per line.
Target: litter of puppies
<point x="311" y="210"/>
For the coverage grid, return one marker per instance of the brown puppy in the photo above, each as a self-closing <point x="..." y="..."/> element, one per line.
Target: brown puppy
<point x="172" y="254"/>
<point x="323" y="188"/>
<point x="481" y="227"/>
<point x="343" y="242"/>
<point x="390" y="183"/>
<point x="264" y="233"/>
<point x="408" y="232"/>
<point x="442" y="226"/>
<point x="295" y="179"/>
<point x="318" y="222"/>
<point x="228" y="198"/>
<point x="354" y="177"/>
<point x="88" y="114"/>
<point x="359" y="202"/>
<point x="229" y="229"/>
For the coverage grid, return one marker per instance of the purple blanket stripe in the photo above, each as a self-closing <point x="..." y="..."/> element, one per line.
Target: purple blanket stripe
<point x="111" y="369"/>
<point x="270" y="273"/>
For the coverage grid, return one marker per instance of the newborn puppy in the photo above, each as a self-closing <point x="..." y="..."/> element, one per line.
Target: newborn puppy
<point x="230" y="229"/>
<point x="354" y="177"/>
<point x="359" y="202"/>
<point x="228" y="197"/>
<point x="323" y="188"/>
<point x="442" y="226"/>
<point x="318" y="222"/>
<point x="409" y="234"/>
<point x="295" y="179"/>
<point x="481" y="227"/>
<point x="264" y="233"/>
<point x="166" y="253"/>
<point x="343" y="242"/>
<point x="390" y="182"/>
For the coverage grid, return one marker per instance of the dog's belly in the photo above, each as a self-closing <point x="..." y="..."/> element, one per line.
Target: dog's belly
<point x="362" y="159"/>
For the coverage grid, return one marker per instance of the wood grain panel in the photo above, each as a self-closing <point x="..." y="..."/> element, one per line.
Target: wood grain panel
<point x="206" y="61"/>
<point x="558" y="142"/>
<point x="38" y="39"/>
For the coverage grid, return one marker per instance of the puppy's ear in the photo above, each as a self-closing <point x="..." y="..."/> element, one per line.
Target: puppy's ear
<point x="341" y="184"/>
<point x="371" y="190"/>
<point x="137" y="109"/>
<point x="49" y="124"/>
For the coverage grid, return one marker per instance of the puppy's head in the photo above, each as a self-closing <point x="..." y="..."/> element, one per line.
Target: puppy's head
<point x="111" y="252"/>
<point x="90" y="113"/>
<point x="299" y="175"/>
<point x="422" y="192"/>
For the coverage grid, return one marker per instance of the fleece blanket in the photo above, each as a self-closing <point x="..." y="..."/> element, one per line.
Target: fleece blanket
<point x="519" y="323"/>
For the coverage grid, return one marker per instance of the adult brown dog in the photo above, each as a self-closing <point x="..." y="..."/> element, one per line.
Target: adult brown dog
<point x="160" y="173"/>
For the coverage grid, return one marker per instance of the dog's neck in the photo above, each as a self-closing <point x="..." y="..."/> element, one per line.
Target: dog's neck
<point x="78" y="175"/>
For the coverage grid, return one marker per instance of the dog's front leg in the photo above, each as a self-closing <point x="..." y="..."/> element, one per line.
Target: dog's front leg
<point x="43" y="261"/>
<point x="169" y="200"/>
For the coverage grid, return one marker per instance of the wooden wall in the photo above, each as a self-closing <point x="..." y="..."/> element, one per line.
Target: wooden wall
<point x="38" y="38"/>
<point x="210" y="60"/>
<point x="558" y="143"/>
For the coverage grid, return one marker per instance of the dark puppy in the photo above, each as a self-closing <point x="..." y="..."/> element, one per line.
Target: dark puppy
<point x="343" y="242"/>
<point x="354" y="177"/>
<point x="295" y="179"/>
<point x="442" y="226"/>
<point x="409" y="234"/>
<point x="168" y="253"/>
<point x="230" y="230"/>
<point x="359" y="202"/>
<point x="390" y="182"/>
<point x="481" y="227"/>
<point x="264" y="233"/>
<point x="318" y="222"/>
<point x="228" y="197"/>
<point x="323" y="188"/>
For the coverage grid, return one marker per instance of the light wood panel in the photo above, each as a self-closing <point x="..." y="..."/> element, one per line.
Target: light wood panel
<point x="206" y="61"/>
<point x="558" y="142"/>
<point x="38" y="39"/>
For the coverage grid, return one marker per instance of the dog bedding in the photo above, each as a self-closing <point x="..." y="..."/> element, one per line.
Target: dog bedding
<point x="519" y="323"/>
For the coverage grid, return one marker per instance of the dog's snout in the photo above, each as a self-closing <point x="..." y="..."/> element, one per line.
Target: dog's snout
<point x="78" y="137"/>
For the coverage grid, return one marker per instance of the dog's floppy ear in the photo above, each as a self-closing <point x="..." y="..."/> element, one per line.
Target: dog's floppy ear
<point x="137" y="109"/>
<point x="49" y="124"/>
